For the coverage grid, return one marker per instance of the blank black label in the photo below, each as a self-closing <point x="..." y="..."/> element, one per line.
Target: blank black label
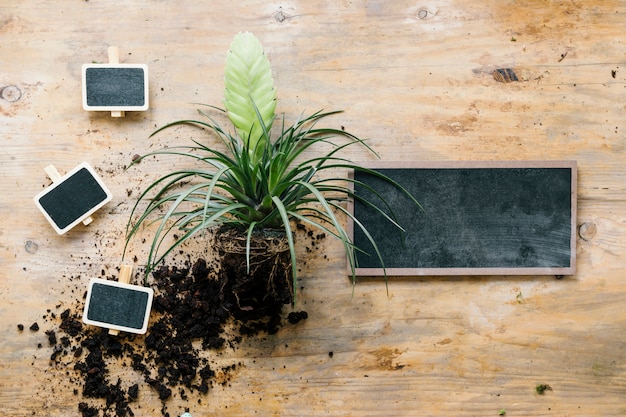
<point x="122" y="87"/>
<point x="472" y="218"/>
<point x="74" y="197"/>
<point x="117" y="306"/>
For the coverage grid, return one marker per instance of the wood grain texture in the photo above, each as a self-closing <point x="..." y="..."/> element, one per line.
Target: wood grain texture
<point x="416" y="78"/>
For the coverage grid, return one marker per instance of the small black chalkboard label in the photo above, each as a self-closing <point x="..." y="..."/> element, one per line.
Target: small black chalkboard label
<point x="118" y="306"/>
<point x="478" y="218"/>
<point x="73" y="198"/>
<point x="115" y="87"/>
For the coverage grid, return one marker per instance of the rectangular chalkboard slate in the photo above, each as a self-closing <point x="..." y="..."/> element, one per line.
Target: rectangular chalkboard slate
<point x="478" y="218"/>
<point x="115" y="87"/>
<point x="73" y="198"/>
<point x="118" y="306"/>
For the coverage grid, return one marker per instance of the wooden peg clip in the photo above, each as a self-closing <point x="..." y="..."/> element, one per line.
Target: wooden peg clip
<point x="115" y="87"/>
<point x="114" y="58"/>
<point x="125" y="273"/>
<point x="54" y="175"/>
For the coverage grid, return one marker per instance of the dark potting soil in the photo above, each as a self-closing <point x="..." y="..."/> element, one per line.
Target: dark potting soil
<point x="187" y="309"/>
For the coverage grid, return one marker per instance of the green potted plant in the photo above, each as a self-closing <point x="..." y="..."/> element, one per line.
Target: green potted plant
<point x="251" y="193"/>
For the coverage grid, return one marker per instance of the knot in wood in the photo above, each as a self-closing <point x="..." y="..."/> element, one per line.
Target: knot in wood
<point x="587" y="231"/>
<point x="11" y="93"/>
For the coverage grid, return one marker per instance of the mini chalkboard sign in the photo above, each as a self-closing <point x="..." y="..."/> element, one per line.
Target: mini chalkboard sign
<point x="118" y="306"/>
<point x="72" y="198"/>
<point x="115" y="87"/>
<point x="478" y="218"/>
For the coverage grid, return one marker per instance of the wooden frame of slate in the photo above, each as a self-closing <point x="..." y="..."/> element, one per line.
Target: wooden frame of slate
<point x="118" y="306"/>
<point x="115" y="87"/>
<point x="72" y="198"/>
<point x="478" y="218"/>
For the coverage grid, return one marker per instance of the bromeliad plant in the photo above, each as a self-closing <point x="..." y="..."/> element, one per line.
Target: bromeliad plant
<point x="259" y="181"/>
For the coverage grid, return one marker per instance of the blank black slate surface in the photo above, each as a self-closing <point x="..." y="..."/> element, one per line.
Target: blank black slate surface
<point x="117" y="306"/>
<point x="495" y="220"/>
<point x="115" y="87"/>
<point x="72" y="198"/>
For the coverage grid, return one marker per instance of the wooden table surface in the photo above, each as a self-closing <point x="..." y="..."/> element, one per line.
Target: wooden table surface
<point x="415" y="78"/>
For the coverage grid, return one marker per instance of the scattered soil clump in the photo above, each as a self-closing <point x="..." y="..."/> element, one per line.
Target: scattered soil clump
<point x="190" y="314"/>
